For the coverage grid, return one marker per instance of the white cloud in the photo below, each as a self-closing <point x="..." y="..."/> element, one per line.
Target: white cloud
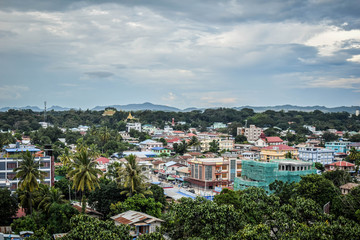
<point x="12" y="92"/>
<point x="354" y="58"/>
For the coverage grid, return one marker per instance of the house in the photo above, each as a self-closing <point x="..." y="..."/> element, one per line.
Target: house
<point x="160" y="150"/>
<point x="346" y="188"/>
<point x="341" y="165"/>
<point x="262" y="174"/>
<point x="316" y="154"/>
<point x="209" y="173"/>
<point x="88" y="211"/>
<point x="338" y="147"/>
<point x="277" y="152"/>
<point x="141" y="223"/>
<point x="133" y="125"/>
<point x="273" y="141"/>
<point x="252" y="133"/>
<point x="355" y="145"/>
<point x="149" y="144"/>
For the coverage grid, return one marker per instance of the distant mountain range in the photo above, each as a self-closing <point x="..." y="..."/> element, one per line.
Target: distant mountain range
<point x="156" y="107"/>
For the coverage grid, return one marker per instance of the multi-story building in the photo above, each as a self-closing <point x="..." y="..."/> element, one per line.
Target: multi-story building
<point x="209" y="173"/>
<point x="148" y="144"/>
<point x="133" y="125"/>
<point x="252" y="133"/>
<point x="224" y="144"/>
<point x="7" y="175"/>
<point x="277" y="152"/>
<point x="315" y="154"/>
<point x="218" y="125"/>
<point x="338" y="147"/>
<point x="262" y="174"/>
<point x="341" y="165"/>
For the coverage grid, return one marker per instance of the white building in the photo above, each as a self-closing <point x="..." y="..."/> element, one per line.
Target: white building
<point x="7" y="175"/>
<point x="148" y="144"/>
<point x="314" y="154"/>
<point x="135" y="125"/>
<point x="252" y="133"/>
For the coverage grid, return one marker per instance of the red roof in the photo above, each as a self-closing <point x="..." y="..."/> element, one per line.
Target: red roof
<point x="191" y="134"/>
<point x="20" y="213"/>
<point x="342" y="164"/>
<point x="279" y="147"/>
<point x="173" y="140"/>
<point x="178" y="132"/>
<point x="273" y="139"/>
<point x="102" y="160"/>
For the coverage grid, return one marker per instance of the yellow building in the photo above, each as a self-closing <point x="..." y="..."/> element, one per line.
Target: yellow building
<point x="277" y="152"/>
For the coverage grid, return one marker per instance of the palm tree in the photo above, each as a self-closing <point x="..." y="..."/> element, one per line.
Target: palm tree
<point x="53" y="196"/>
<point x="132" y="177"/>
<point x="194" y="142"/>
<point x="84" y="173"/>
<point x="28" y="174"/>
<point x="353" y="155"/>
<point x="65" y="158"/>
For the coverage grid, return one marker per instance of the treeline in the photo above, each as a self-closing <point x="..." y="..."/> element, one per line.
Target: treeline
<point x="27" y="120"/>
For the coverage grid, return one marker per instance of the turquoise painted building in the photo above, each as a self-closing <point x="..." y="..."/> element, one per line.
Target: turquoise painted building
<point x="262" y="174"/>
<point x="338" y="147"/>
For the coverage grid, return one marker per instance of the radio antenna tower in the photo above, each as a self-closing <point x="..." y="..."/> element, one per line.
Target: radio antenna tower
<point x="45" y="111"/>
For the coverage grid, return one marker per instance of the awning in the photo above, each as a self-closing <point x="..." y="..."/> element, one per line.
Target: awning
<point x="179" y="179"/>
<point x="170" y="178"/>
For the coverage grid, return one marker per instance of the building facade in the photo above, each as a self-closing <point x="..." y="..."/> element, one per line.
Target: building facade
<point x="7" y="175"/>
<point x="315" y="154"/>
<point x="209" y="173"/>
<point x="262" y="174"/>
<point x="338" y="147"/>
<point x="133" y="125"/>
<point x="252" y="133"/>
<point x="277" y="152"/>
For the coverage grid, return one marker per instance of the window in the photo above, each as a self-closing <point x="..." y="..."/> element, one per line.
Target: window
<point x="45" y="164"/>
<point x="208" y="172"/>
<point x="192" y="171"/>
<point x="2" y="175"/>
<point x="196" y="170"/>
<point x="11" y="165"/>
<point x="2" y="166"/>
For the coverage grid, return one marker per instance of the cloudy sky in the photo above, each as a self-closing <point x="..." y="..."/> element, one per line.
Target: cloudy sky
<point x="186" y="53"/>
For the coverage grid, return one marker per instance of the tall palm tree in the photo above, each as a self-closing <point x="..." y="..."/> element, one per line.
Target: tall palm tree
<point x="194" y="142"/>
<point x="132" y="177"/>
<point x="65" y="158"/>
<point x="53" y="196"/>
<point x="353" y="155"/>
<point x="28" y="174"/>
<point x="84" y="173"/>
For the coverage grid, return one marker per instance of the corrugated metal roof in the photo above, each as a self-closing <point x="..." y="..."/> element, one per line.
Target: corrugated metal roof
<point x="132" y="217"/>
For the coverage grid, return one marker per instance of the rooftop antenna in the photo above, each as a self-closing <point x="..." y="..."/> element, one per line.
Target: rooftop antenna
<point x="246" y="123"/>
<point x="45" y="111"/>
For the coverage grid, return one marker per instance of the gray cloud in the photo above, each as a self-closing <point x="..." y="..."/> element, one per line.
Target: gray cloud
<point x="99" y="74"/>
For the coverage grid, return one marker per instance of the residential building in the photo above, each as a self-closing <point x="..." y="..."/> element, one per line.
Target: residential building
<point x="346" y="188"/>
<point x="160" y="150"/>
<point x="209" y="173"/>
<point x="341" y="165"/>
<point x="355" y="145"/>
<point x="310" y="128"/>
<point x="252" y="133"/>
<point x="250" y="155"/>
<point x="273" y="141"/>
<point x="277" y="152"/>
<point x="262" y="174"/>
<point x="148" y="144"/>
<point x="218" y="125"/>
<point x="7" y="175"/>
<point x="338" y="147"/>
<point x="133" y="125"/>
<point x="315" y="154"/>
<point x="141" y="223"/>
<point x="224" y="144"/>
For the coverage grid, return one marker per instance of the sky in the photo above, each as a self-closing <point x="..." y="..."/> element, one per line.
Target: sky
<point x="187" y="53"/>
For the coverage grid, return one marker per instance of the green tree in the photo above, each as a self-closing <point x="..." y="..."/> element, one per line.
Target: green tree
<point x="214" y="146"/>
<point x="139" y="203"/>
<point x="338" y="177"/>
<point x="158" y="194"/>
<point x="180" y="148"/>
<point x="28" y="173"/>
<point x="8" y="206"/>
<point x="54" y="196"/>
<point x="317" y="188"/>
<point x="65" y="158"/>
<point x="355" y="138"/>
<point x="240" y="139"/>
<point x="319" y="166"/>
<point x="353" y="156"/>
<point x="283" y="190"/>
<point x="102" y="197"/>
<point x="84" y="227"/>
<point x="84" y="173"/>
<point x="328" y="137"/>
<point x="194" y="142"/>
<point x="132" y="177"/>
<point x="201" y="219"/>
